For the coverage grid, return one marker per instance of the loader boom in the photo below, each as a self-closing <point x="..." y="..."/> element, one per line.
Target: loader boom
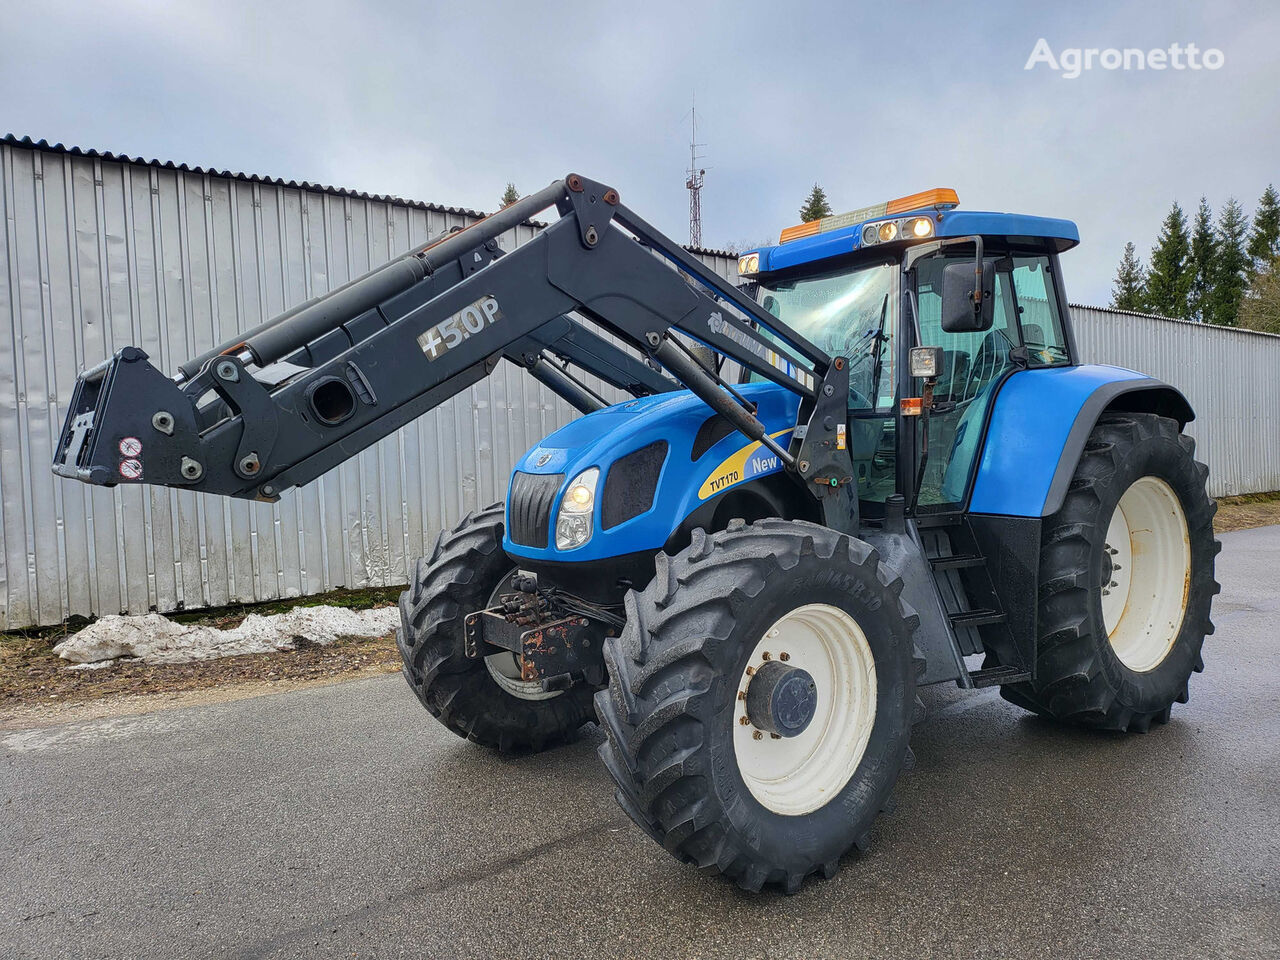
<point x="297" y="395"/>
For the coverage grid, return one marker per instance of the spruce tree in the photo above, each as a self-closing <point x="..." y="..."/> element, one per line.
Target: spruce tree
<point x="1232" y="265"/>
<point x="510" y="195"/>
<point x="1260" y="309"/>
<point x="816" y="206"/>
<point x="1204" y="256"/>
<point x="1129" y="289"/>
<point x="1264" y="239"/>
<point x="1169" y="276"/>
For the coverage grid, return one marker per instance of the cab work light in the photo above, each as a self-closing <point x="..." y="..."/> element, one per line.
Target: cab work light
<point x="939" y="198"/>
<point x="748" y="263"/>
<point x="925" y="362"/>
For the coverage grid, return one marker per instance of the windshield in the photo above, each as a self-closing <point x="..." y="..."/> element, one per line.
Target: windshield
<point x="846" y="313"/>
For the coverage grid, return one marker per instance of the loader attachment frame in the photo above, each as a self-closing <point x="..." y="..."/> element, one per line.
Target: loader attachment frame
<point x="297" y="395"/>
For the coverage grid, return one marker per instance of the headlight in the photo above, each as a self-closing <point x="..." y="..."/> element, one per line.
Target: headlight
<point x="920" y="227"/>
<point x="573" y="526"/>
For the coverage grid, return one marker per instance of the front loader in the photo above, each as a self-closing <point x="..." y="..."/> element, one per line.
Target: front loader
<point x="874" y="464"/>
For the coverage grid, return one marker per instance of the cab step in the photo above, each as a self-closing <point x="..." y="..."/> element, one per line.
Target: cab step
<point x="958" y="562"/>
<point x="976" y="618"/>
<point x="998" y="676"/>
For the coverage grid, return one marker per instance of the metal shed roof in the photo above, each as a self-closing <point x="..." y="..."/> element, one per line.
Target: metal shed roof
<point x="16" y="141"/>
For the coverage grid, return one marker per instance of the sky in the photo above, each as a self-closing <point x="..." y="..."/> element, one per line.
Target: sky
<point x="447" y="102"/>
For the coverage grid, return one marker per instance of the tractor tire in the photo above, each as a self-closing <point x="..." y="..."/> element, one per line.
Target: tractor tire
<point x="1126" y="580"/>
<point x="701" y="777"/>
<point x="462" y="575"/>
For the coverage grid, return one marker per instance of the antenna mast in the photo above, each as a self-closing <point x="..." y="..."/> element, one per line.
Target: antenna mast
<point x="694" y="181"/>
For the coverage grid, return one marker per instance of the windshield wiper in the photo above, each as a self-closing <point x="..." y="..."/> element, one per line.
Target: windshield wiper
<point x="876" y="343"/>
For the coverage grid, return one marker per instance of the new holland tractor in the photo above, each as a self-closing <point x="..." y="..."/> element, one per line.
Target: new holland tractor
<point x="875" y="462"/>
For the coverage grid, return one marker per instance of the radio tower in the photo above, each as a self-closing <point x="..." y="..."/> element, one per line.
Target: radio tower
<point x="694" y="182"/>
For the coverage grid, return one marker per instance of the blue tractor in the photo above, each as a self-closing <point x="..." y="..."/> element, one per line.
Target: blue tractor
<point x="872" y="461"/>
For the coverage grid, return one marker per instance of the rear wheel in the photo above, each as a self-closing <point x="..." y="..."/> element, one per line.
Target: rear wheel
<point x="760" y="700"/>
<point x="482" y="700"/>
<point x="1126" y="580"/>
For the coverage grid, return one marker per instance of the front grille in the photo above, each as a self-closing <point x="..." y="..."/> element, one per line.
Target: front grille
<point x="533" y="497"/>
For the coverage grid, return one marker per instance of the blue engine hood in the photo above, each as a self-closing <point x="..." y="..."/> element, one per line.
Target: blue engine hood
<point x="601" y="438"/>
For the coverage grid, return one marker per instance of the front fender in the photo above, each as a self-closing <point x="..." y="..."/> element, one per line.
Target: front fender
<point x="1039" y="424"/>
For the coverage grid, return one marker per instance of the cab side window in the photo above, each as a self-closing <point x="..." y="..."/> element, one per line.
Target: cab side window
<point x="1038" y="311"/>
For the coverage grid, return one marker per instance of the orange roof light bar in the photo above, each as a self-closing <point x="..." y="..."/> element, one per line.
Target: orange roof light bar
<point x="800" y="230"/>
<point x="938" y="197"/>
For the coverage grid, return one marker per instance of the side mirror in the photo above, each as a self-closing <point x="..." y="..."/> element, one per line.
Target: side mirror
<point x="960" y="312"/>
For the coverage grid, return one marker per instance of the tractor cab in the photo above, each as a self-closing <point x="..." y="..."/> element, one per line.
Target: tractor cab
<point x="870" y="286"/>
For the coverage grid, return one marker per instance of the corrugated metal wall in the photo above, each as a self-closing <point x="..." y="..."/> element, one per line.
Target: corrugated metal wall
<point x="98" y="252"/>
<point x="1228" y="375"/>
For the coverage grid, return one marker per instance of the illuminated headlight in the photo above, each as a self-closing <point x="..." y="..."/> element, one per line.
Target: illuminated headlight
<point x="573" y="526"/>
<point x="885" y="231"/>
<point x="749" y="263"/>
<point x="919" y="227"/>
<point x="926" y="361"/>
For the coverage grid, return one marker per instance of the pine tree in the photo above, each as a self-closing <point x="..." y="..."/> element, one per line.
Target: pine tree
<point x="1232" y="265"/>
<point x="816" y="206"/>
<point x="1264" y="240"/>
<point x="1204" y="256"/>
<point x="1169" y="276"/>
<point x="510" y="195"/>
<point x="1260" y="309"/>
<point x="1129" y="291"/>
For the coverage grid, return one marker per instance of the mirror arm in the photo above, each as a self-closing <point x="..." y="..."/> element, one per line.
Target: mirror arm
<point x="977" y="277"/>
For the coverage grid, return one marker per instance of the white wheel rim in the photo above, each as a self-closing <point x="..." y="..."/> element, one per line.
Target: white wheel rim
<point x="797" y="775"/>
<point x="505" y="669"/>
<point x="1145" y="600"/>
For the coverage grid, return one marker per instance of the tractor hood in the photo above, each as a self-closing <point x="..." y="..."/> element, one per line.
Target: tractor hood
<point x="659" y="457"/>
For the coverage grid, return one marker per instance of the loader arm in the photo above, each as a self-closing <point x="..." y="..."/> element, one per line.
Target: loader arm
<point x="296" y="396"/>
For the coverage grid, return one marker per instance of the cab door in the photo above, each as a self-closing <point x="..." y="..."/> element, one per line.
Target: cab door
<point x="1026" y="331"/>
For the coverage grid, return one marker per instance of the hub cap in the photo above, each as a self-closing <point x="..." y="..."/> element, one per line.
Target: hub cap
<point x="823" y="647"/>
<point x="1148" y="558"/>
<point x="781" y="699"/>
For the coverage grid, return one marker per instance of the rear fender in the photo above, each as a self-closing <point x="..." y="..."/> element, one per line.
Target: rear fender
<point x="1040" y="422"/>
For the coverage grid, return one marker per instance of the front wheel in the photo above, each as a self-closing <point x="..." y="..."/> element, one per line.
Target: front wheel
<point x="1126" y="580"/>
<point x="482" y="700"/>
<point x="761" y="699"/>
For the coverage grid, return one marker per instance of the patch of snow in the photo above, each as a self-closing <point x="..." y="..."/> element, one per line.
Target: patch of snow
<point x="154" y="638"/>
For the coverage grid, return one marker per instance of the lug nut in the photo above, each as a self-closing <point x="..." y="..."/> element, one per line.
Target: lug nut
<point x="784" y="656"/>
<point x="757" y="735"/>
<point x="743" y="720"/>
<point x="751" y="671"/>
<point x="765" y="655"/>
<point x="742" y="694"/>
<point x="775" y="736"/>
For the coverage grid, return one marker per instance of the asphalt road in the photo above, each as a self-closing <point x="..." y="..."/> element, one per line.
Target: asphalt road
<point x="343" y="821"/>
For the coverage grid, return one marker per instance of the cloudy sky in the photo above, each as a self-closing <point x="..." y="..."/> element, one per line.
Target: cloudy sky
<point x="449" y="101"/>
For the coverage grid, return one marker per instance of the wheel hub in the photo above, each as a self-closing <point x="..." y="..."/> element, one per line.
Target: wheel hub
<point x="781" y="699"/>
<point x="806" y="705"/>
